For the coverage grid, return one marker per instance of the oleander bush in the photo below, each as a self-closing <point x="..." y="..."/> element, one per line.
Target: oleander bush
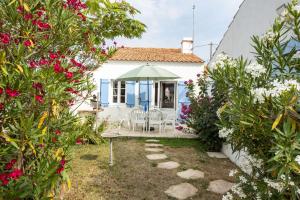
<point x="47" y="50"/>
<point x="261" y="113"/>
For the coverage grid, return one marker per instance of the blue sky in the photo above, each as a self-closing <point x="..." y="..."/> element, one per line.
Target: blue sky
<point x="168" y="21"/>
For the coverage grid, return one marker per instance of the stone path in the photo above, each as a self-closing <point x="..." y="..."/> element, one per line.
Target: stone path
<point x="168" y="165"/>
<point x="181" y="191"/>
<point x="190" y="174"/>
<point x="185" y="190"/>
<point x="220" y="186"/>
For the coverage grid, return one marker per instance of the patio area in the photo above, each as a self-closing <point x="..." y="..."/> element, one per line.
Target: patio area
<point x="125" y="132"/>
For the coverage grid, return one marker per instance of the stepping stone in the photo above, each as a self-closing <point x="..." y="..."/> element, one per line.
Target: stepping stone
<point x="154" y="145"/>
<point x="216" y="155"/>
<point x="181" y="191"/>
<point x="156" y="156"/>
<point x="220" y="186"/>
<point x="154" y="149"/>
<point x="152" y="140"/>
<point x="168" y="165"/>
<point x="191" y="174"/>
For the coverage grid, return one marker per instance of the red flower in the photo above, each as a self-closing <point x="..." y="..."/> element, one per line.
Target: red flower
<point x="15" y="174"/>
<point x="71" y="90"/>
<point x="53" y="56"/>
<point x="69" y="75"/>
<point x="42" y="25"/>
<point x="4" y="179"/>
<point x="1" y="91"/>
<point x="1" y="106"/>
<point x="74" y="62"/>
<point x="60" y="170"/>
<point x="37" y="86"/>
<point x="9" y="165"/>
<point x="33" y="64"/>
<point x="5" y="38"/>
<point x="57" y="132"/>
<point x="57" y="68"/>
<point x="43" y="61"/>
<point x="83" y="18"/>
<point x="54" y="140"/>
<point x="39" y="98"/>
<point x="28" y="43"/>
<point x="78" y="141"/>
<point x="20" y="9"/>
<point x="12" y="93"/>
<point x="40" y="13"/>
<point x="28" y="16"/>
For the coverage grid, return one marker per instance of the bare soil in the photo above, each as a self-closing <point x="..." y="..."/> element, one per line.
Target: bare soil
<point x="135" y="177"/>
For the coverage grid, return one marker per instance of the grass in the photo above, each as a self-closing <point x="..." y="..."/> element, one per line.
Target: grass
<point x="134" y="177"/>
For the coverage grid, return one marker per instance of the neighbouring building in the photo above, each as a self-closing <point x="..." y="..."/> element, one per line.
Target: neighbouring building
<point x="118" y="97"/>
<point x="254" y="17"/>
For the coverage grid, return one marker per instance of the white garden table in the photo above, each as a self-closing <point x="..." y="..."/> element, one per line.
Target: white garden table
<point x="110" y="136"/>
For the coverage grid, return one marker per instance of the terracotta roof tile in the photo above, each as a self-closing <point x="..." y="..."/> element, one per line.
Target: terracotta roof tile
<point x="154" y="55"/>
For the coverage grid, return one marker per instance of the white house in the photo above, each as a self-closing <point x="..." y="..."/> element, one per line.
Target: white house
<point x="118" y="97"/>
<point x="254" y="17"/>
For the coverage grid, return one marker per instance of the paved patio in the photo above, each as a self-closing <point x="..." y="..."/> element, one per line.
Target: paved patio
<point x="123" y="132"/>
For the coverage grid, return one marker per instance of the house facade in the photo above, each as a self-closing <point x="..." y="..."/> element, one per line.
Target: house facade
<point x="117" y="98"/>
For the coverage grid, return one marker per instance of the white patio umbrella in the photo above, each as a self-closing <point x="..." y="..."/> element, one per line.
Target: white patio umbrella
<point x="146" y="73"/>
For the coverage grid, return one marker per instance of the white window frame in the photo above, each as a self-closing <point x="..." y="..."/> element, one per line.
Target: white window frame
<point x="118" y="92"/>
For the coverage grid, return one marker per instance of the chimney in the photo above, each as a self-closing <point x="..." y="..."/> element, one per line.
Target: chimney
<point x="187" y="45"/>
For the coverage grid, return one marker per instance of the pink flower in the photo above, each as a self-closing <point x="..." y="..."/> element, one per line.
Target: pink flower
<point x="28" y="43"/>
<point x="33" y="64"/>
<point x="83" y="18"/>
<point x="57" y="132"/>
<point x="42" y="25"/>
<point x="28" y="16"/>
<point x="185" y="82"/>
<point x="39" y="98"/>
<point x="1" y="91"/>
<point x="1" y="106"/>
<point x="78" y="141"/>
<point x="17" y="173"/>
<point x="71" y="90"/>
<point x="57" y="68"/>
<point x="69" y="75"/>
<point x="4" y="179"/>
<point x="179" y="128"/>
<point x="12" y="93"/>
<point x="37" y="86"/>
<point x="5" y="38"/>
<point x="43" y="61"/>
<point x="20" y="9"/>
<point x="63" y="162"/>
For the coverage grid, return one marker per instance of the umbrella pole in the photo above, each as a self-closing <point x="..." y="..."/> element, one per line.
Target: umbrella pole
<point x="148" y="125"/>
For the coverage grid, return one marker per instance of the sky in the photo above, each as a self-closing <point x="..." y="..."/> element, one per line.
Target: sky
<point x="169" y="21"/>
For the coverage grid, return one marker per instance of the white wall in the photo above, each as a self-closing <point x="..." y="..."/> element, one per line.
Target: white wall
<point x="254" y="17"/>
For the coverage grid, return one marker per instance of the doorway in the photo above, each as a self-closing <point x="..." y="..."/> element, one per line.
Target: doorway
<point x="167" y="94"/>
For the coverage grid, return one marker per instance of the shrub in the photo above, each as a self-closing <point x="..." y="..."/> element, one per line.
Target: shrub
<point x="202" y="116"/>
<point x="260" y="115"/>
<point x="47" y="49"/>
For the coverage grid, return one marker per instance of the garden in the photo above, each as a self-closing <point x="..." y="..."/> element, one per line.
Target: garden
<point x="48" y="51"/>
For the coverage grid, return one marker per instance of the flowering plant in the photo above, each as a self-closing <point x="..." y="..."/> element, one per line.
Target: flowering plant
<point x="47" y="50"/>
<point x="261" y="113"/>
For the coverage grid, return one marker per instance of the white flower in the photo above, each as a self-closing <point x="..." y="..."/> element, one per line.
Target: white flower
<point x="269" y="36"/>
<point x="227" y="196"/>
<point x="254" y="186"/>
<point x="219" y="112"/>
<point x="298" y="191"/>
<point x="276" y="185"/>
<point x="233" y="172"/>
<point x="255" y="70"/>
<point x="221" y="61"/>
<point x="238" y="190"/>
<point x="224" y="132"/>
<point x="243" y="179"/>
<point x="259" y="94"/>
<point x="280" y="87"/>
<point x="297" y="159"/>
<point x="297" y="8"/>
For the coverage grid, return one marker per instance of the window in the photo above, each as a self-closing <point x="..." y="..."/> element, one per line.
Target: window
<point x="119" y="91"/>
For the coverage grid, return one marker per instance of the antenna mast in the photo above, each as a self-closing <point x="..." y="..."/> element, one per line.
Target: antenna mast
<point x="194" y="7"/>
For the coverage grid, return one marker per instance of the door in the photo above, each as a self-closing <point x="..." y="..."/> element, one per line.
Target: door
<point x="168" y="95"/>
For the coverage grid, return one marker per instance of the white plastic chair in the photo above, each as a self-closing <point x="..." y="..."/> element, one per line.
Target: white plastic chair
<point x="170" y="120"/>
<point x="155" y="118"/>
<point x="137" y="117"/>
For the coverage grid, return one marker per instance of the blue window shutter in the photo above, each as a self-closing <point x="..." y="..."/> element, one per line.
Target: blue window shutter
<point x="143" y="96"/>
<point x="104" y="83"/>
<point x="130" y="93"/>
<point x="182" y="96"/>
